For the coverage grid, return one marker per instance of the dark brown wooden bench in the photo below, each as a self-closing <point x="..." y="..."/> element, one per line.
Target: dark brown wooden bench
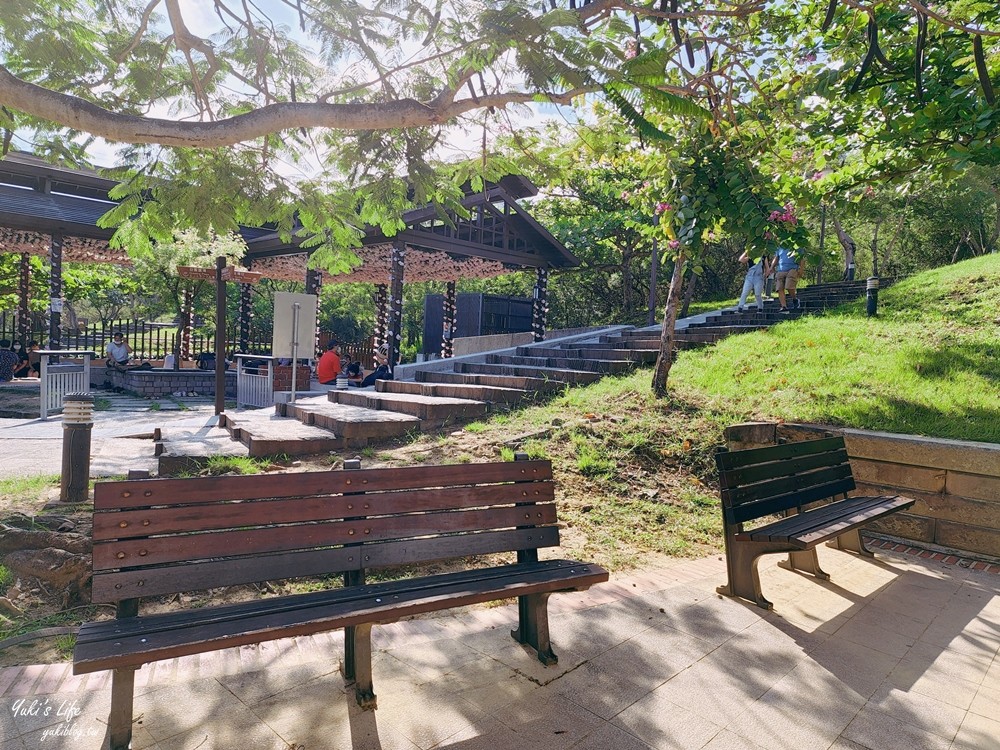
<point x="163" y="536"/>
<point x="791" y="479"/>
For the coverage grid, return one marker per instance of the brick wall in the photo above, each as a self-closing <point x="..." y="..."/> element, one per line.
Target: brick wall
<point x="283" y="378"/>
<point x="956" y="483"/>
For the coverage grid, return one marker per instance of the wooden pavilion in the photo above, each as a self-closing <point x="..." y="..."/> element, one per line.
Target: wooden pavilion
<point x="52" y="212"/>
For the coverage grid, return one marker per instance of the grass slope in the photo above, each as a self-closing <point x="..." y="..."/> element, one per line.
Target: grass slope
<point x="927" y="365"/>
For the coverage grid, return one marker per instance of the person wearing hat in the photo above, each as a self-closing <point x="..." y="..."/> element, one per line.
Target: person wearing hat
<point x="329" y="364"/>
<point x="382" y="370"/>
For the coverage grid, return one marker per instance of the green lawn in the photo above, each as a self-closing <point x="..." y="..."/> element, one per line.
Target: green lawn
<point x="929" y="364"/>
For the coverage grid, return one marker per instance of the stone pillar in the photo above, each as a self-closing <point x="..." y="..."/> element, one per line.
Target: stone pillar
<point x="448" y="326"/>
<point x="187" y="323"/>
<point x="540" y="305"/>
<point x="23" y="296"/>
<point x="245" y="316"/>
<point x="55" y="292"/>
<point x="395" y="316"/>
<point x="381" y="315"/>
<point x="314" y="284"/>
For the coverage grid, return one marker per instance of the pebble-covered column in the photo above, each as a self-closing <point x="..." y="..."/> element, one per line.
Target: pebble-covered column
<point x="55" y="291"/>
<point x="314" y="284"/>
<point x="395" y="331"/>
<point x="448" y="326"/>
<point x="23" y="296"/>
<point x="381" y="314"/>
<point x="187" y="323"/>
<point x="540" y="304"/>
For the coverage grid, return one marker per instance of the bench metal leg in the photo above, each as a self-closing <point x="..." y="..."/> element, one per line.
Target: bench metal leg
<point x="741" y="565"/>
<point x="120" y="719"/>
<point x="851" y="540"/>
<point x="805" y="560"/>
<point x="533" y="626"/>
<point x="358" y="664"/>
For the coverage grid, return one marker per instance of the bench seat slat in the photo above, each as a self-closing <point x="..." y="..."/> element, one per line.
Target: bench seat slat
<point x="139" y="582"/>
<point x="735" y="478"/>
<point x="816" y="526"/>
<point x="143" y="522"/>
<point x="170" y="492"/>
<point x="104" y="648"/>
<point x="177" y="548"/>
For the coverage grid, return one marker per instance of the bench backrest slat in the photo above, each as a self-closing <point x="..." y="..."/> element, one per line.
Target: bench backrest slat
<point x="263" y="539"/>
<point x="143" y="493"/>
<point x="250" y="529"/>
<point x="144" y="522"/>
<point x="140" y="582"/>
<point x="763" y="481"/>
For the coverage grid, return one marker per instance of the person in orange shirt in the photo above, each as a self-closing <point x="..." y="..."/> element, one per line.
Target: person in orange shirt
<point x="329" y="364"/>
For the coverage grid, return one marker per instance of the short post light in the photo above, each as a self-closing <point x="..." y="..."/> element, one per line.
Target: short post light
<point x="871" y="287"/>
<point x="78" y="422"/>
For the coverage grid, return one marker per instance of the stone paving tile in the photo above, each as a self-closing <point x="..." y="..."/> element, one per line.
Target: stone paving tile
<point x="661" y="723"/>
<point x="918" y="710"/>
<point x="875" y="729"/>
<point x="987" y="702"/>
<point x="819" y="697"/>
<point x="883" y="639"/>
<point x="780" y="727"/>
<point x="726" y="740"/>
<point x="978" y="733"/>
<point x="610" y="737"/>
<point x="861" y="668"/>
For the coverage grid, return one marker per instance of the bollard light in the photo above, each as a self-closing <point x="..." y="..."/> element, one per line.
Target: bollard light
<point x="341" y="382"/>
<point x="78" y="408"/>
<point x="871" y="288"/>
<point x="78" y="421"/>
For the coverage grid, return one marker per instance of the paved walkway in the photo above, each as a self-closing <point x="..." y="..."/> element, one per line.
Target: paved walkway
<point x="900" y="652"/>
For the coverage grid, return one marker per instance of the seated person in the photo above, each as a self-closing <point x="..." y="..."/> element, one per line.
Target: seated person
<point x="34" y="360"/>
<point x="119" y="352"/>
<point x="23" y="368"/>
<point x="381" y="371"/>
<point x="329" y="364"/>
<point x="8" y="361"/>
<point x="353" y="372"/>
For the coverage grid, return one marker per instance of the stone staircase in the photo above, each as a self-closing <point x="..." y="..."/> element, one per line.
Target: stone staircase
<point x="471" y="390"/>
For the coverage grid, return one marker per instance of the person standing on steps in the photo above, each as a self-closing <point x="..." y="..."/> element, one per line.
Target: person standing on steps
<point x="754" y="280"/>
<point x="788" y="277"/>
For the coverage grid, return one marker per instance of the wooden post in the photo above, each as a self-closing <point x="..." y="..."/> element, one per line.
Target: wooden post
<point x="55" y="291"/>
<point x="448" y="332"/>
<point x="23" y="296"/>
<point x="540" y="305"/>
<point x="220" y="336"/>
<point x="381" y="317"/>
<point x="395" y="328"/>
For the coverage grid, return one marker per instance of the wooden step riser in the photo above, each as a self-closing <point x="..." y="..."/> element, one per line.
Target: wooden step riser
<point x="438" y="412"/>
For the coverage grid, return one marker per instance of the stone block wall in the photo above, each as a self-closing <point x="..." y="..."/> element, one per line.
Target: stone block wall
<point x="158" y="383"/>
<point x="956" y="483"/>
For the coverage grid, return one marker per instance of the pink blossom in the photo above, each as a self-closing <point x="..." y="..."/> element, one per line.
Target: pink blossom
<point x="631" y="49"/>
<point x="869" y="192"/>
<point x="662" y="207"/>
<point x="673" y="244"/>
<point x="626" y="195"/>
<point x="768" y="235"/>
<point x="817" y="176"/>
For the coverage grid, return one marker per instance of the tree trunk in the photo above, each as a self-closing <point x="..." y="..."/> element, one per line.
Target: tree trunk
<point x="847" y="242"/>
<point x="692" y="282"/>
<point x="666" y="356"/>
<point x="878" y="223"/>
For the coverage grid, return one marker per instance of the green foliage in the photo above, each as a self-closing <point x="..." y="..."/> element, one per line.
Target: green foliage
<point x="6" y="577"/>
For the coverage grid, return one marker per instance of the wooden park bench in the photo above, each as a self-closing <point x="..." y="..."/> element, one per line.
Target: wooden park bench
<point x="164" y="536"/>
<point x="793" y="480"/>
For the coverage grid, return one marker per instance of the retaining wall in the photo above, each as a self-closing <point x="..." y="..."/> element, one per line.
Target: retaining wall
<point x="956" y="483"/>
<point x="156" y="383"/>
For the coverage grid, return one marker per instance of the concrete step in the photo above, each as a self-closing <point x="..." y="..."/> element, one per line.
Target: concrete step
<point x="545" y="373"/>
<point x="268" y="434"/>
<point x="587" y="351"/>
<point x="606" y="366"/>
<point x="181" y="450"/>
<point x="645" y="343"/>
<point x="433" y="411"/>
<point x="356" y="425"/>
<point x="487" y="393"/>
<point x="516" y="382"/>
<point x="726" y="330"/>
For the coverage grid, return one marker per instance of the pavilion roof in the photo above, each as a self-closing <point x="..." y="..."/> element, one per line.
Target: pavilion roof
<point x="38" y="199"/>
